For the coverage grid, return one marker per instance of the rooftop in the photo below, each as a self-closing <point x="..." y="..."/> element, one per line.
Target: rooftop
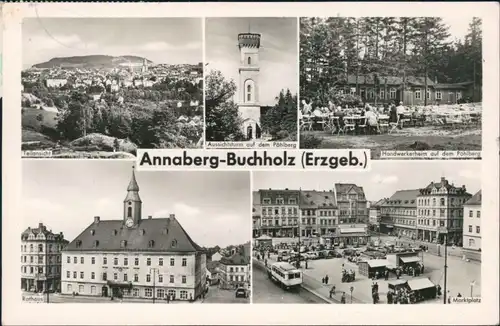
<point x="157" y="235"/>
<point x="236" y="259"/>
<point x="403" y="198"/>
<point x="475" y="200"/>
<point x="317" y="199"/>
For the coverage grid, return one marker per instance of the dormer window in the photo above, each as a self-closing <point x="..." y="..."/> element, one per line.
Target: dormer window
<point x="92" y="232"/>
<point x="123" y="244"/>
<point x="165" y="231"/>
<point x="151" y="244"/>
<point x="78" y="243"/>
<point x="115" y="232"/>
<point x="96" y="244"/>
<point x="143" y="232"/>
<point x="174" y="243"/>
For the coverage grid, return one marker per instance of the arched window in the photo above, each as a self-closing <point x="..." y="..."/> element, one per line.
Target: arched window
<point x="249" y="91"/>
<point x="442" y="202"/>
<point x="249" y="60"/>
<point x="129" y="211"/>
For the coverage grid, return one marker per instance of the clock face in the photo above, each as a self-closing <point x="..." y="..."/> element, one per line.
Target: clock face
<point x="129" y="222"/>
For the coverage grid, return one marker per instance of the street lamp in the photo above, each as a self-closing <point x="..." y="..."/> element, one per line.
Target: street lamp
<point x="472" y="287"/>
<point x="445" y="266"/>
<point x="351" y="289"/>
<point x="46" y="269"/>
<point x="154" y="281"/>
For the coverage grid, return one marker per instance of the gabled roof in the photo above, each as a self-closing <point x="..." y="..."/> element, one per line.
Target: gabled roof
<point x="212" y="265"/>
<point x="317" y="199"/>
<point x="43" y="230"/>
<point x="343" y="188"/>
<point x="403" y="198"/>
<point x="273" y="194"/>
<point x="166" y="234"/>
<point x="443" y="183"/>
<point x="475" y="200"/>
<point x="235" y="259"/>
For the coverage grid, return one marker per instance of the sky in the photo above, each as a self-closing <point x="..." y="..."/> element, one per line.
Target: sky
<point x="278" y="54"/>
<point x="213" y="207"/>
<point x="458" y="25"/>
<point x="161" y="40"/>
<point x="385" y="178"/>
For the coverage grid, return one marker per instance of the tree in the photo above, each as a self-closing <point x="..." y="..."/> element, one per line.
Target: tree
<point x="281" y="120"/>
<point x="223" y="122"/>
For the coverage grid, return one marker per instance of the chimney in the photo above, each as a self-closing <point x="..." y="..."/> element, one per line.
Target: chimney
<point x="443" y="179"/>
<point x="150" y="217"/>
<point x="435" y="80"/>
<point x="97" y="219"/>
<point x="172" y="216"/>
<point x="29" y="228"/>
<point x="40" y="226"/>
<point x="286" y="188"/>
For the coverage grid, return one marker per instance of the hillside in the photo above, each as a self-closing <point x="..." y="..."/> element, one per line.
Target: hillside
<point x="91" y="61"/>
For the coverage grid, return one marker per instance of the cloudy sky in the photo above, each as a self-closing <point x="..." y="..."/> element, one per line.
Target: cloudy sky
<point x="161" y="40"/>
<point x="213" y="207"/>
<point x="278" y="53"/>
<point x="385" y="178"/>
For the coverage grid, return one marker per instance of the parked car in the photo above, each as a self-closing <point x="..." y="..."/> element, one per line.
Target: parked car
<point x="311" y="255"/>
<point x="241" y="293"/>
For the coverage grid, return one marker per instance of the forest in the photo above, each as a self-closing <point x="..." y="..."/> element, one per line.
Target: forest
<point x="333" y="48"/>
<point x="145" y="118"/>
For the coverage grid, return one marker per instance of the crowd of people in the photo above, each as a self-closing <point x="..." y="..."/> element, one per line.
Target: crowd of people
<point x="392" y="114"/>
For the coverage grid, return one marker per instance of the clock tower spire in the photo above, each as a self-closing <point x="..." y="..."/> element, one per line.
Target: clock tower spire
<point x="132" y="204"/>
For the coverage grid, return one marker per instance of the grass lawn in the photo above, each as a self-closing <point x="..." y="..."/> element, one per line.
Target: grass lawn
<point x="411" y="138"/>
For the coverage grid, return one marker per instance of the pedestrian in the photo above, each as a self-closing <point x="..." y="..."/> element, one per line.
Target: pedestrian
<point x="323" y="280"/>
<point x="265" y="262"/>
<point x="459" y="295"/>
<point x="342" y="299"/>
<point x="386" y="275"/>
<point x="306" y="264"/>
<point x="326" y="279"/>
<point x="376" y="275"/>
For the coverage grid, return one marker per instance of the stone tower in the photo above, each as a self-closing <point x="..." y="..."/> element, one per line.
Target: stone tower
<point x="132" y="205"/>
<point x="248" y="101"/>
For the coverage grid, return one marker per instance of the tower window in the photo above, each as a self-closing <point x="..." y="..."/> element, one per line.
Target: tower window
<point x="249" y="60"/>
<point x="249" y="96"/>
<point x="249" y="93"/>
<point x="129" y="211"/>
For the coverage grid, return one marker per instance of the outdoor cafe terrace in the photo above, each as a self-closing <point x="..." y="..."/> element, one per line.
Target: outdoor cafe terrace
<point x="353" y="120"/>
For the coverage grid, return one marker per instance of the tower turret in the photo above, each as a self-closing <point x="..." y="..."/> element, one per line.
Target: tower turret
<point x="248" y="101"/>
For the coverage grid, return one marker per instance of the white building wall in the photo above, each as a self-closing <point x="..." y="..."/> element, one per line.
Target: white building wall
<point x="177" y="271"/>
<point x="472" y="221"/>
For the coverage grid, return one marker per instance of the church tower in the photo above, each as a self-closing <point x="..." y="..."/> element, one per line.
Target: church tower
<point x="248" y="101"/>
<point x="132" y="204"/>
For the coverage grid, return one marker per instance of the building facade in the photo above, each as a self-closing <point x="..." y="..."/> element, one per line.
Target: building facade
<point x="306" y="215"/>
<point x="386" y="89"/>
<point x="134" y="257"/>
<point x="248" y="86"/>
<point x="319" y="213"/>
<point x="399" y="214"/>
<point x="41" y="259"/>
<point x="352" y="204"/>
<point x="440" y="212"/>
<point x="235" y="271"/>
<point x="280" y="213"/>
<point x="374" y="215"/>
<point x="472" y="223"/>
<point x="256" y="215"/>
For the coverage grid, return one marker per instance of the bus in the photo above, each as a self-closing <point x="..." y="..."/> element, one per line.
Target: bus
<point x="286" y="275"/>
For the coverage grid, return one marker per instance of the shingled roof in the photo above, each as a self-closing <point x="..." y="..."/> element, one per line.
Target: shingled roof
<point x="403" y="198"/>
<point x="155" y="235"/>
<point x="317" y="199"/>
<point x="341" y="188"/>
<point x="389" y="80"/>
<point x="42" y="229"/>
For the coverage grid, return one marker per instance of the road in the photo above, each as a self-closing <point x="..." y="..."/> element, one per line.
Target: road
<point x="265" y="291"/>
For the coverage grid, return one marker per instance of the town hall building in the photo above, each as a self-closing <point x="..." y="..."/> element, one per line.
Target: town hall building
<point x="134" y="257"/>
